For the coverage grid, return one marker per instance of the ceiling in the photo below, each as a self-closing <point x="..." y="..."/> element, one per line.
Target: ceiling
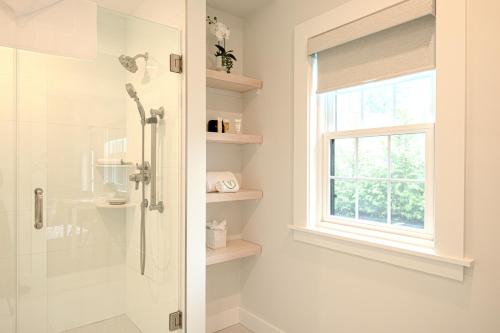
<point x="241" y="8"/>
<point x="123" y="6"/>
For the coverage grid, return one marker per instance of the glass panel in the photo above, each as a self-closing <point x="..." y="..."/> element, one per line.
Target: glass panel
<point x="407" y="201"/>
<point x="348" y="110"/>
<point x="343" y="155"/>
<point x="415" y="99"/>
<point x="343" y="198"/>
<point x="80" y="139"/>
<point x="373" y="201"/>
<point x="373" y="157"/>
<point x="408" y="156"/>
<point x="327" y="105"/>
<point x="405" y="100"/>
<point x="378" y="106"/>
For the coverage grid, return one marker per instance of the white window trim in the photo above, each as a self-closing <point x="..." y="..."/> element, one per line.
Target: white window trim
<point x="446" y="258"/>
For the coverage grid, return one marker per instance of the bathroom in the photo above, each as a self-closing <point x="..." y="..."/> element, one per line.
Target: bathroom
<point x="241" y="166"/>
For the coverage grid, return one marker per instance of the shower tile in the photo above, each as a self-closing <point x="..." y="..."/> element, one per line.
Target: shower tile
<point x="8" y="167"/>
<point x="31" y="240"/>
<point x="32" y="98"/>
<point x="7" y="97"/>
<point x="32" y="293"/>
<point x="32" y="162"/>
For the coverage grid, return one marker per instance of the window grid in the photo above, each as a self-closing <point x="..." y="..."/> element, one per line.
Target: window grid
<point x="389" y="180"/>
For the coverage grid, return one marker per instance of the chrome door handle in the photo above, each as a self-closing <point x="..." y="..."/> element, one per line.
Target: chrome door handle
<point x="38" y="208"/>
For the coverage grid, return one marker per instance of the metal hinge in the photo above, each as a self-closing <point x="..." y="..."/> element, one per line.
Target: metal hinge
<point x="176" y="63"/>
<point x="175" y="322"/>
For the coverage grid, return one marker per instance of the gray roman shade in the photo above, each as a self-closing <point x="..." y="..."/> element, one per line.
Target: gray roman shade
<point x="396" y="41"/>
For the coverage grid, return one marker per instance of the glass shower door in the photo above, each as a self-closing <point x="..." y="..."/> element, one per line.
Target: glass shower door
<point x="80" y="144"/>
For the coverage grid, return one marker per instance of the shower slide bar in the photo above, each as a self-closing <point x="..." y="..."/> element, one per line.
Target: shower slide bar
<point x="153" y="121"/>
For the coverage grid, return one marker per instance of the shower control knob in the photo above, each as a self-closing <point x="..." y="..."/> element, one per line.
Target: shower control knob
<point x="136" y="177"/>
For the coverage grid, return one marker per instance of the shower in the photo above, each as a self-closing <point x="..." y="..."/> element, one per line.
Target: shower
<point x="146" y="171"/>
<point x="130" y="63"/>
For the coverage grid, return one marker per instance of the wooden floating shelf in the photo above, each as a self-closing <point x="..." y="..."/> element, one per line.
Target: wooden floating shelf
<point x="240" y="139"/>
<point x="236" y="249"/>
<point x="239" y="83"/>
<point x="237" y="196"/>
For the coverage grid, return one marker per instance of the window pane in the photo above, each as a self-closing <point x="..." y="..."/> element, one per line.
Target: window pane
<point x="348" y="110"/>
<point x="343" y="155"/>
<point x="378" y="106"/>
<point x="404" y="100"/>
<point x="408" y="156"/>
<point x="343" y="198"/>
<point x="373" y="157"/>
<point x="328" y="107"/>
<point x="407" y="201"/>
<point x="373" y="201"/>
<point x="415" y="100"/>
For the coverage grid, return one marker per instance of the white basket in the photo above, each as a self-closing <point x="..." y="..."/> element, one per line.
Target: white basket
<point x="216" y="239"/>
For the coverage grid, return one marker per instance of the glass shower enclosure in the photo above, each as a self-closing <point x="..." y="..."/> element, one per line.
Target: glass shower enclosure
<point x="83" y="246"/>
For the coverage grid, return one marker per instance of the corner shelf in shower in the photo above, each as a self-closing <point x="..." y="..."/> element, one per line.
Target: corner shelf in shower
<point x="233" y="82"/>
<point x="108" y="206"/>
<point x="235" y="249"/>
<point x="113" y="166"/>
<point x="237" y="196"/>
<point x="240" y="139"/>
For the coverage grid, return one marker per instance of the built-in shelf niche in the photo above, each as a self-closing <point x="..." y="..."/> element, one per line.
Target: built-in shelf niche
<point x="235" y="249"/>
<point x="233" y="82"/>
<point x="229" y="138"/>
<point x="241" y="195"/>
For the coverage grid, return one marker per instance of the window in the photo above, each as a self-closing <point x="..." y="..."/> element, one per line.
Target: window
<point x="379" y="154"/>
<point x="379" y="133"/>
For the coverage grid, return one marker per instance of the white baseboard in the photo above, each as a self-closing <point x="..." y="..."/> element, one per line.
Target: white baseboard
<point x="223" y="319"/>
<point x="256" y="324"/>
<point x="241" y="316"/>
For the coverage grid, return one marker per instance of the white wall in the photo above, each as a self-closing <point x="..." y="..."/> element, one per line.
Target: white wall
<point x="301" y="288"/>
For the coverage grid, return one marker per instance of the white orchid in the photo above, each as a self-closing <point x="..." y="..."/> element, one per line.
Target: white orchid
<point x="221" y="31"/>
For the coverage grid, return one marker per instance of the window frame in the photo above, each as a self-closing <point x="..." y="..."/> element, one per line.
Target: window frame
<point x="446" y="257"/>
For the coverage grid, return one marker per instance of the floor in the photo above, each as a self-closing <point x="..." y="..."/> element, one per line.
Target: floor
<point x="120" y="324"/>
<point x="236" y="329"/>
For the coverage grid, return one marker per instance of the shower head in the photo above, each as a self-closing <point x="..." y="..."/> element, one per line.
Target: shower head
<point x="133" y="94"/>
<point x="130" y="63"/>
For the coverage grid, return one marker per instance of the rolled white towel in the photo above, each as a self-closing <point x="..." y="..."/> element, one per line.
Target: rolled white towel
<point x="222" y="182"/>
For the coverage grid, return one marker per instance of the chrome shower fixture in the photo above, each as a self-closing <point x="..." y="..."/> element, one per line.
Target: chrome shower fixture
<point x="133" y="94"/>
<point x="130" y="63"/>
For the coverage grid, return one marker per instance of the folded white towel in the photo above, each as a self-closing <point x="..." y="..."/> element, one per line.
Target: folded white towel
<point x="222" y="182"/>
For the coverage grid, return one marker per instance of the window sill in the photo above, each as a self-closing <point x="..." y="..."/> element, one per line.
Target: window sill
<point x="404" y="255"/>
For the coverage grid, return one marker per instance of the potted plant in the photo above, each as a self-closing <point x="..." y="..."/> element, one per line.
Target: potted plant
<point x="224" y="58"/>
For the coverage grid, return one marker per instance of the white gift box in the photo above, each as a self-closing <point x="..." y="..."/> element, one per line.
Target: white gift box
<point x="216" y="239"/>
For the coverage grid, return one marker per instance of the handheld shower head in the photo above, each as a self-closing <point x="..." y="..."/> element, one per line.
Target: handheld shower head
<point x="131" y="90"/>
<point x="130" y="63"/>
<point x="133" y="94"/>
